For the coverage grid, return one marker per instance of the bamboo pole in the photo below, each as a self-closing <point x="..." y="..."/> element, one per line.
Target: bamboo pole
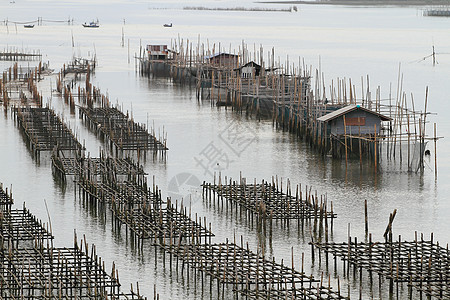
<point x="345" y="142"/>
<point x="435" y="151"/>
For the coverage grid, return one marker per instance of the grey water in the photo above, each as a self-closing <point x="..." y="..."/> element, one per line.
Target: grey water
<point x="341" y="41"/>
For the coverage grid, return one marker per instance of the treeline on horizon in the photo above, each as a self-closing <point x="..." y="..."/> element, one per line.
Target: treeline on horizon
<point x="290" y="9"/>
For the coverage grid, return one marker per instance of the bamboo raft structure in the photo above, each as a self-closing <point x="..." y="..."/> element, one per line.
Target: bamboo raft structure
<point x="287" y="94"/>
<point x="142" y="211"/>
<point x="21" y="223"/>
<point x="250" y="275"/>
<point x="182" y="238"/>
<point x="133" y="204"/>
<point x="73" y="273"/>
<point x="6" y="199"/>
<point x="70" y="74"/>
<point x="266" y="201"/>
<point x="421" y="264"/>
<point x="122" y="132"/>
<point x="44" y="130"/>
<point x="14" y="54"/>
<point x="162" y="224"/>
<point x="18" y="85"/>
<point x="32" y="268"/>
<point x="78" y="66"/>
<point x="63" y="166"/>
<point x="110" y="123"/>
<point x="107" y="121"/>
<point x="59" y="273"/>
<point x="127" y="193"/>
<point x="186" y="241"/>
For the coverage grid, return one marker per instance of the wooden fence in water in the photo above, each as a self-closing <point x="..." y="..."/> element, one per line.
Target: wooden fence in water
<point x="32" y="268"/>
<point x="287" y="94"/>
<point x="45" y="131"/>
<point x="16" y="54"/>
<point x="266" y="203"/>
<point x="422" y="265"/>
<point x="185" y="241"/>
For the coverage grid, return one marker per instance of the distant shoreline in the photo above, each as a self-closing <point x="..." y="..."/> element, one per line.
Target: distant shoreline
<point x="364" y="2"/>
<point x="238" y="9"/>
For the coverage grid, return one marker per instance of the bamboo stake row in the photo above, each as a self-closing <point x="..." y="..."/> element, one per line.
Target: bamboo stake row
<point x="286" y="93"/>
<point x="266" y="202"/>
<point x="420" y="264"/>
<point x="44" y="130"/>
<point x="123" y="132"/>
<point x="32" y="268"/>
<point x="15" y="54"/>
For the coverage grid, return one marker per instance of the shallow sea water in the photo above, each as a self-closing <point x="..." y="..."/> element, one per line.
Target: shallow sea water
<point x="342" y="41"/>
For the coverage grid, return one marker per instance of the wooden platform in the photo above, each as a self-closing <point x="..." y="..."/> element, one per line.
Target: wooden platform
<point x="249" y="274"/>
<point x="68" y="166"/>
<point x="420" y="264"/>
<point x="6" y="200"/>
<point x="45" y="130"/>
<point x="17" y="55"/>
<point x="31" y="268"/>
<point x="119" y="129"/>
<point x="267" y="199"/>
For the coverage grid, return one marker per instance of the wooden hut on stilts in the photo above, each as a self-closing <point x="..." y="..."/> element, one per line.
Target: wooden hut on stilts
<point x="353" y="130"/>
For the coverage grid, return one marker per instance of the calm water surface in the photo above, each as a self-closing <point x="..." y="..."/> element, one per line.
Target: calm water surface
<point x="343" y="41"/>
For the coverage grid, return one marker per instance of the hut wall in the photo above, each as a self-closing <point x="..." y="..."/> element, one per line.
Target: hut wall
<point x="366" y="123"/>
<point x="224" y="60"/>
<point x="247" y="72"/>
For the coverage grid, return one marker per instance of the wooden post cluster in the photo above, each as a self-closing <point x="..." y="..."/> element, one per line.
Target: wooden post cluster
<point x="80" y="165"/>
<point x="15" y="54"/>
<point x="250" y="275"/>
<point x="285" y="92"/>
<point x="266" y="202"/>
<point x="122" y="132"/>
<point x="18" y="85"/>
<point x="79" y="66"/>
<point x="139" y="207"/>
<point x="422" y="265"/>
<point x="185" y="240"/>
<point x="32" y="268"/>
<point x="44" y="130"/>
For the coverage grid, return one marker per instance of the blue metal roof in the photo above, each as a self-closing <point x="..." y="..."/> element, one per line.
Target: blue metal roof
<point x="342" y="111"/>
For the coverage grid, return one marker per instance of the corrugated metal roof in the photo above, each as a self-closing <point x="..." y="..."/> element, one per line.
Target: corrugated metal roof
<point x="342" y="111"/>
<point x="218" y="54"/>
<point x="251" y="64"/>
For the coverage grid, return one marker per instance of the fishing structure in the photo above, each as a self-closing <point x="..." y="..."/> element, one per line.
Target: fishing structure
<point x="334" y="119"/>
<point x="266" y="203"/>
<point x="31" y="267"/>
<point x="420" y="264"/>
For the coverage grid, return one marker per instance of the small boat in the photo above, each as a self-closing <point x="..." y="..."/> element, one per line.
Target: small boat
<point x="28" y="26"/>
<point x="91" y="24"/>
<point x="168" y="25"/>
